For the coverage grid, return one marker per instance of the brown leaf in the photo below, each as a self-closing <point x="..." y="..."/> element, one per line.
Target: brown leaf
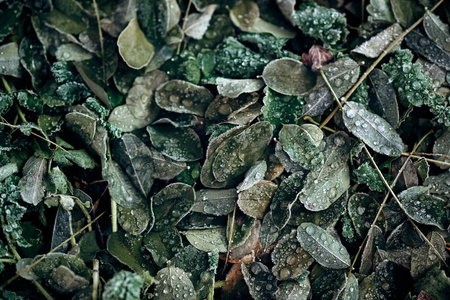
<point x="408" y="178"/>
<point x="317" y="57"/>
<point x="425" y="296"/>
<point x="235" y="286"/>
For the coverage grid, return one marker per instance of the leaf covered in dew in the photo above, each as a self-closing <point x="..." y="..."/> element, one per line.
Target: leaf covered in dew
<point x="363" y="209"/>
<point x="254" y="200"/>
<point x="326" y="249"/>
<point x="174" y="283"/>
<point x="437" y="30"/>
<point x="31" y="185"/>
<point x="372" y="129"/>
<point x="260" y="281"/>
<point x="215" y="201"/>
<point x="213" y="239"/>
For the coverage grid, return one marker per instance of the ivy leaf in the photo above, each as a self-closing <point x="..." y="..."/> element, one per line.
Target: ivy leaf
<point x="423" y="207"/>
<point x="180" y="144"/>
<point x="437" y="30"/>
<point x="31" y="185"/>
<point x="260" y="281"/>
<point x="171" y="204"/>
<point x="174" y="283"/>
<point x="372" y="129"/>
<point x="134" y="48"/>
<point x="296" y="82"/>
<point x="323" y="247"/>
<point x="290" y="259"/>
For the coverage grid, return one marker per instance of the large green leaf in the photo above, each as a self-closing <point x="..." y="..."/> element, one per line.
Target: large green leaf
<point x="174" y="283"/>
<point x="372" y="129"/>
<point x="163" y="245"/>
<point x="326" y="249"/>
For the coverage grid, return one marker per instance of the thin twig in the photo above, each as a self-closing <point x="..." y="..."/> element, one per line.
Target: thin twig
<point x="184" y="24"/>
<point x="95" y="278"/>
<point x="85" y="212"/>
<point x="427" y="159"/>
<point x="377" y="61"/>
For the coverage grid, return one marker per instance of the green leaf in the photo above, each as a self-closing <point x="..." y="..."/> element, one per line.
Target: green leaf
<point x="289" y="258"/>
<point x="365" y="174"/>
<point x="31" y="185"/>
<point x="298" y="80"/>
<point x="163" y="245"/>
<point x="406" y="17"/>
<point x="215" y="202"/>
<point x="375" y="240"/>
<point x="134" y="48"/>
<point x="435" y="282"/>
<point x="120" y="186"/>
<point x="240" y="229"/>
<point x="79" y="157"/>
<point x="213" y="239"/>
<point x="302" y="144"/>
<point x="135" y="220"/>
<point x="174" y="283"/>
<point x="224" y="107"/>
<point x="293" y="290"/>
<point x="389" y="280"/>
<point x="183" y="97"/>
<point x="236" y="155"/>
<point x="269" y="232"/>
<point x="32" y="58"/>
<point x="425" y="256"/>
<point x="8" y="170"/>
<point x="171" y="204"/>
<point x="234" y="87"/>
<point x="10" y="59"/>
<point x="45" y="268"/>
<point x="379" y="43"/>
<point x="127" y="249"/>
<point x="180" y="144"/>
<point x="441" y="146"/>
<point x="423" y="207"/>
<point x="122" y="118"/>
<point x="72" y="52"/>
<point x="256" y="199"/>
<point x="437" y="30"/>
<point x="363" y="209"/>
<point x="427" y="48"/>
<point x="342" y="75"/>
<point x="9" y="15"/>
<point x="254" y="175"/>
<point x="380" y="10"/>
<point x="124" y="285"/>
<point x="372" y="129"/>
<point x="323" y="247"/>
<point x="30" y="101"/>
<point x="260" y="281"/>
<point x="183" y="66"/>
<point x="382" y="99"/>
<point x="62" y="229"/>
<point x="82" y="124"/>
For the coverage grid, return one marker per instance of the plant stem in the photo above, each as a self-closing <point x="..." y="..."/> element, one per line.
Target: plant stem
<point x="184" y="24"/>
<point x="113" y="215"/>
<point x="377" y="61"/>
<point x="8" y="260"/>
<point x="95" y="278"/>
<point x="85" y="212"/>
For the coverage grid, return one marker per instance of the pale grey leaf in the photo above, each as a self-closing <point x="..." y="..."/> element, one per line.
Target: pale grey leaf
<point x="377" y="44"/>
<point x="31" y="184"/>
<point x="437" y="30"/>
<point x="197" y="24"/>
<point x="234" y="87"/>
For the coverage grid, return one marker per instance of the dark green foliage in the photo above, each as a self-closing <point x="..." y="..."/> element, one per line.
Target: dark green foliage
<point x="11" y="210"/>
<point x="412" y="85"/>
<point x="234" y="60"/>
<point x="267" y="44"/>
<point x="280" y="109"/>
<point x="73" y="92"/>
<point x="9" y="16"/>
<point x="124" y="285"/>
<point x="440" y="107"/>
<point x="183" y="66"/>
<point x="8" y="295"/>
<point x="62" y="72"/>
<point x="347" y="228"/>
<point x="217" y="129"/>
<point x="190" y="174"/>
<point x="361" y="94"/>
<point x="326" y="24"/>
<point x="6" y="100"/>
<point x="365" y="174"/>
<point x="30" y="101"/>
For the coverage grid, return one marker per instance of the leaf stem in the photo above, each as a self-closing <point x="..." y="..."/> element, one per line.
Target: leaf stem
<point x="8" y="260"/>
<point x="184" y="24"/>
<point x="95" y="278"/>
<point x="377" y="61"/>
<point x="113" y="215"/>
<point x="85" y="212"/>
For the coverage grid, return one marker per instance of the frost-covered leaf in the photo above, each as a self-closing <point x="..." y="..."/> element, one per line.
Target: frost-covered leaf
<point x="365" y="174"/>
<point x="120" y="186"/>
<point x="342" y="75"/>
<point x="183" y="97"/>
<point x="380" y="10"/>
<point x="425" y="256"/>
<point x="215" y="202"/>
<point x="254" y="200"/>
<point x="171" y="204"/>
<point x="328" y="284"/>
<point x="367" y="287"/>
<point x="197" y="24"/>
<point x="260" y="281"/>
<point x="123" y="285"/>
<point x="437" y="30"/>
<point x="269" y="231"/>
<point x="213" y="239"/>
<point x="234" y="87"/>
<point x="134" y="48"/>
<point x="377" y="44"/>
<point x="82" y="124"/>
<point x="298" y="80"/>
<point x="163" y="245"/>
<point x="293" y="290"/>
<point x="303" y="144"/>
<point x="382" y="99"/>
<point x="426" y="47"/>
<point x="424" y="207"/>
<point x="45" y="268"/>
<point x="326" y="249"/>
<point x="372" y="129"/>
<point x="31" y="185"/>
<point x="439" y="184"/>
<point x="238" y="154"/>
<point x="442" y="147"/>
<point x="8" y="170"/>
<point x="180" y="144"/>
<point x="363" y="209"/>
<point x="61" y="229"/>
<point x="10" y="60"/>
<point x="174" y="283"/>
<point x="289" y="258"/>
